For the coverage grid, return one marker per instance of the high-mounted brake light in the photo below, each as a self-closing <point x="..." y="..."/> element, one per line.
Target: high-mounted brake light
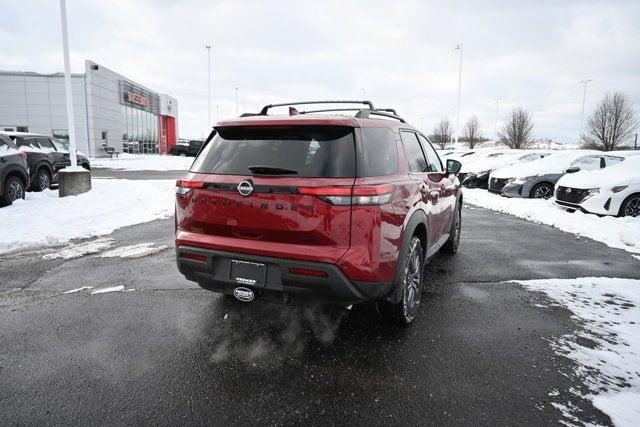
<point x="184" y="186"/>
<point x="358" y="195"/>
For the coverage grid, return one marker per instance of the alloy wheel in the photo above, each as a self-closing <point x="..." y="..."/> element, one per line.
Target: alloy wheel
<point x="543" y="192"/>
<point x="413" y="279"/>
<point x="15" y="191"/>
<point x="44" y="182"/>
<point x="632" y="207"/>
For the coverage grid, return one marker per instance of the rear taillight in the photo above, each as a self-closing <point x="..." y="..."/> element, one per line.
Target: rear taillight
<point x="308" y="272"/>
<point x="358" y="195"/>
<point x="193" y="257"/>
<point x="184" y="186"/>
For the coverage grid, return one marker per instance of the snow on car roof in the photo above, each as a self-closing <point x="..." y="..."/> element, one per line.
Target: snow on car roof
<point x="555" y="163"/>
<point x="626" y="172"/>
<point x="495" y="162"/>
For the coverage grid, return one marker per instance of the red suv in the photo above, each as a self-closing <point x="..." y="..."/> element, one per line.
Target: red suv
<point x="311" y="208"/>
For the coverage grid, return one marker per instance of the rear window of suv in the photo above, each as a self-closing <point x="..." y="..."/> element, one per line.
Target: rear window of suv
<point x="309" y="151"/>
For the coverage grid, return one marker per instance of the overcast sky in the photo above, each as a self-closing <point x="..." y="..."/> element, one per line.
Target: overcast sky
<point x="527" y="53"/>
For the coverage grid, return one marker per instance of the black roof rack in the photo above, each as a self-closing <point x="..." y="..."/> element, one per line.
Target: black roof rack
<point x="266" y="108"/>
<point x="362" y="113"/>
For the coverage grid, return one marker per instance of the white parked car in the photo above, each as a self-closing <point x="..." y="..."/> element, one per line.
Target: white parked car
<point x="475" y="174"/>
<point x="610" y="191"/>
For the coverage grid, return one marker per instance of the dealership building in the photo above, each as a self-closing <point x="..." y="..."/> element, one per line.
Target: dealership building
<point x="110" y="110"/>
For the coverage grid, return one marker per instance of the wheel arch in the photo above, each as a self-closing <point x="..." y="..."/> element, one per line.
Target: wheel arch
<point x="14" y="171"/>
<point x="626" y="199"/>
<point x="542" y="181"/>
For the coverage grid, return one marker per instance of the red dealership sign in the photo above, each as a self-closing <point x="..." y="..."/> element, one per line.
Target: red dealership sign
<point x="138" y="99"/>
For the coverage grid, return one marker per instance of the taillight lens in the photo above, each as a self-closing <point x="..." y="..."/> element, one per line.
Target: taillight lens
<point x="358" y="195"/>
<point x="184" y="186"/>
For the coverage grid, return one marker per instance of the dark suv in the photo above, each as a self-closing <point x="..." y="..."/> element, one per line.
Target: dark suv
<point x="14" y="173"/>
<point x="311" y="208"/>
<point x="46" y="156"/>
<point x="189" y="148"/>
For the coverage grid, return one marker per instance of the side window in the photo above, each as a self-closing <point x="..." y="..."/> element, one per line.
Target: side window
<point x="413" y="152"/>
<point x="380" y="149"/>
<point x="433" y="160"/>
<point x="44" y="143"/>
<point x="27" y="142"/>
<point x="612" y="160"/>
<point x="588" y="163"/>
<point x="59" y="145"/>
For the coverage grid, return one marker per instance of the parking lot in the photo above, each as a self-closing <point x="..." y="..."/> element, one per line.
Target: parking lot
<point x="165" y="351"/>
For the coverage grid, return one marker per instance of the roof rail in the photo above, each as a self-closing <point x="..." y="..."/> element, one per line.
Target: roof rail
<point x="388" y="110"/>
<point x="364" y="114"/>
<point x="266" y="108"/>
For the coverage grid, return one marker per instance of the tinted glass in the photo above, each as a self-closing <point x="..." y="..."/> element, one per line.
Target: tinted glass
<point x="45" y="143"/>
<point x="587" y="162"/>
<point x="380" y="152"/>
<point x="433" y="161"/>
<point x="26" y="142"/>
<point x="413" y="152"/>
<point x="59" y="145"/>
<point x="311" y="151"/>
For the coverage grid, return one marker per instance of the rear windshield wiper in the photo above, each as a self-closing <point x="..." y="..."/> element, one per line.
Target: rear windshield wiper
<point x="271" y="170"/>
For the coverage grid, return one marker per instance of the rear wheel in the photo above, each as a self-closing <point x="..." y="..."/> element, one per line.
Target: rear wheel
<point x="409" y="283"/>
<point x="631" y="206"/>
<point x="13" y="190"/>
<point x="42" y="181"/>
<point x="542" y="190"/>
<point x="451" y="246"/>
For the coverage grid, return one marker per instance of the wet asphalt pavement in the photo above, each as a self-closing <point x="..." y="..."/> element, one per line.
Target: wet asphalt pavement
<point x="168" y="352"/>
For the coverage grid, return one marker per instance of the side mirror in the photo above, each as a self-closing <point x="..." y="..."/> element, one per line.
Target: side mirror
<point x="453" y="166"/>
<point x="573" y="169"/>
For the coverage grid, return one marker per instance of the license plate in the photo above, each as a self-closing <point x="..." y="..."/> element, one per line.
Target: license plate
<point x="248" y="273"/>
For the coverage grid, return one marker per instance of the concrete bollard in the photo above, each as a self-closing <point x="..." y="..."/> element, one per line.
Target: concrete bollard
<point x="73" y="181"/>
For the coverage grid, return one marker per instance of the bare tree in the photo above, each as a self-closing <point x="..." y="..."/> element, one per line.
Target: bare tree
<point x="472" y="134"/>
<point x="611" y="124"/>
<point x="442" y="133"/>
<point x="517" y="133"/>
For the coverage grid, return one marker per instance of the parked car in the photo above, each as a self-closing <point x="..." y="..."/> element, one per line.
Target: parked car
<point x="14" y="172"/>
<point x="476" y="173"/>
<point x="537" y="179"/>
<point x="310" y="208"/>
<point x="46" y="156"/>
<point x="189" y="148"/>
<point x="610" y="191"/>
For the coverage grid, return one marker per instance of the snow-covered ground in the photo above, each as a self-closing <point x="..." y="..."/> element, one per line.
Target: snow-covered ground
<point x="621" y="233"/>
<point x="607" y="349"/>
<point x="140" y="162"/>
<point x="44" y="219"/>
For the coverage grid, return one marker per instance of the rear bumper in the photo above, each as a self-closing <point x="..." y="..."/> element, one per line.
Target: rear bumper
<point x="280" y="284"/>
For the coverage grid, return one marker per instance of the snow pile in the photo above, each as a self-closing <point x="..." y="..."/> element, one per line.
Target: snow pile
<point x="500" y="160"/>
<point x="73" y="250"/>
<point x="626" y="172"/>
<point x="44" y="219"/>
<point x="143" y="162"/>
<point x="607" y="350"/>
<point x="7" y="151"/>
<point x="620" y="233"/>
<point x="134" y="251"/>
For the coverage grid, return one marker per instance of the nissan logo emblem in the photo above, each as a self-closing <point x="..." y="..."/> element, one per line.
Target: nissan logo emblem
<point x="245" y="188"/>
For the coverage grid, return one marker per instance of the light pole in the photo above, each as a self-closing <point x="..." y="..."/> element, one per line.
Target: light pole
<point x="236" y="101"/>
<point x="67" y="85"/>
<point x="584" y="98"/>
<point x="208" y="47"/>
<point x="495" y="125"/>
<point x="459" y="47"/>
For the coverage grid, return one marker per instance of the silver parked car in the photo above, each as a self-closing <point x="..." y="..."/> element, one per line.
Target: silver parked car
<point x="538" y="178"/>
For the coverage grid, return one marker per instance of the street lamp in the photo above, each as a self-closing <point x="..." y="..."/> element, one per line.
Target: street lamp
<point x="208" y="47"/>
<point x="236" y="101"/>
<point x="584" y="97"/>
<point x="495" y="124"/>
<point x="459" y="47"/>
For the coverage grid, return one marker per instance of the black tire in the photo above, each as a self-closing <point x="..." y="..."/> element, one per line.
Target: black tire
<point x="630" y="206"/>
<point x="542" y="190"/>
<point x="42" y="180"/>
<point x="12" y="191"/>
<point x="452" y="244"/>
<point x="409" y="286"/>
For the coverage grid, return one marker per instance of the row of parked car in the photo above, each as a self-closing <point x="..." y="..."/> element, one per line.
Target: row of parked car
<point x="603" y="183"/>
<point x="31" y="162"/>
